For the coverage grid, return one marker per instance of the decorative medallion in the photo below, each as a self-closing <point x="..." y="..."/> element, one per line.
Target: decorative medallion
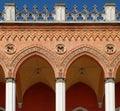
<point x="60" y="49"/>
<point x="110" y="49"/>
<point x="10" y="49"/>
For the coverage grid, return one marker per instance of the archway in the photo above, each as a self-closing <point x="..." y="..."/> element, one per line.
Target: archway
<point x="34" y="70"/>
<point x="86" y="70"/>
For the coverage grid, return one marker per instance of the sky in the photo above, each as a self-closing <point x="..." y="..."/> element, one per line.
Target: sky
<point x="51" y="3"/>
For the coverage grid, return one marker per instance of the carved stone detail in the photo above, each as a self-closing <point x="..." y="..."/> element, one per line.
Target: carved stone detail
<point x="60" y="79"/>
<point x="60" y="49"/>
<point x="110" y="49"/>
<point x="10" y="49"/>
<point x="109" y="80"/>
<point x="10" y="80"/>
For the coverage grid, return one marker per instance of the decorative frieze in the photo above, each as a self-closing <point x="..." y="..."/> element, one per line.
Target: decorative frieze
<point x="37" y="35"/>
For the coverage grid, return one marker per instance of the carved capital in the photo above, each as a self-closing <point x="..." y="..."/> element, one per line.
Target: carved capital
<point x="108" y="80"/>
<point x="60" y="79"/>
<point x="13" y="80"/>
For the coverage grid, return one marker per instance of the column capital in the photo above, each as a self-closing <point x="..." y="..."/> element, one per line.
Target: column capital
<point x="10" y="79"/>
<point x="60" y="79"/>
<point x="107" y="80"/>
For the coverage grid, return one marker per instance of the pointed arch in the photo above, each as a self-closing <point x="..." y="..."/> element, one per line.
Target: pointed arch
<point x="85" y="50"/>
<point x="31" y="51"/>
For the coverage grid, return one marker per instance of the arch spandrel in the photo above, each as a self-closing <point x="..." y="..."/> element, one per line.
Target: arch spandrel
<point x="4" y="64"/>
<point x="115" y="64"/>
<point x="89" y="51"/>
<point x="31" y="51"/>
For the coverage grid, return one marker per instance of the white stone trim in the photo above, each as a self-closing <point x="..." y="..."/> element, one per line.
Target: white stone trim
<point x="79" y="108"/>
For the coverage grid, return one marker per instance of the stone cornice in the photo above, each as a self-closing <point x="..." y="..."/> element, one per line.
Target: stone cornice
<point x="58" y="26"/>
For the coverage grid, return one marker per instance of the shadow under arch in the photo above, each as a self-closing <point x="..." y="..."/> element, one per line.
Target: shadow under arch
<point x="32" y="51"/>
<point x="88" y="51"/>
<point x="42" y="95"/>
<point x="80" y="97"/>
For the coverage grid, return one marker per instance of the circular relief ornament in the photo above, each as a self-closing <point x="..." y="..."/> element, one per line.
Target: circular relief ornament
<point x="10" y="49"/>
<point x="110" y="49"/>
<point x="60" y="49"/>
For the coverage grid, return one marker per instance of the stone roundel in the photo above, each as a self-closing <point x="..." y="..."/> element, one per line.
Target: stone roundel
<point x="10" y="49"/>
<point x="60" y="49"/>
<point x="110" y="49"/>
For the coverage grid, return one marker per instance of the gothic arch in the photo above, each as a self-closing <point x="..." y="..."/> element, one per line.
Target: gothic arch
<point x="85" y="50"/>
<point x="31" y="51"/>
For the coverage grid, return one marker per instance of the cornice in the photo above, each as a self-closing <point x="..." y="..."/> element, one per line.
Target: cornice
<point x="59" y="26"/>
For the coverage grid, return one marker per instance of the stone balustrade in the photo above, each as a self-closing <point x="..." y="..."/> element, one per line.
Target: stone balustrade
<point x="60" y="14"/>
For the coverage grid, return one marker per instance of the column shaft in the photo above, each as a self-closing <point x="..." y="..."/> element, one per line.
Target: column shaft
<point x="109" y="94"/>
<point x="60" y="94"/>
<point x="10" y="95"/>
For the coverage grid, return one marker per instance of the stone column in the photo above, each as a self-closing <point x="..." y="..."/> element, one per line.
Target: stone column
<point x="109" y="94"/>
<point x="10" y="94"/>
<point x="60" y="94"/>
